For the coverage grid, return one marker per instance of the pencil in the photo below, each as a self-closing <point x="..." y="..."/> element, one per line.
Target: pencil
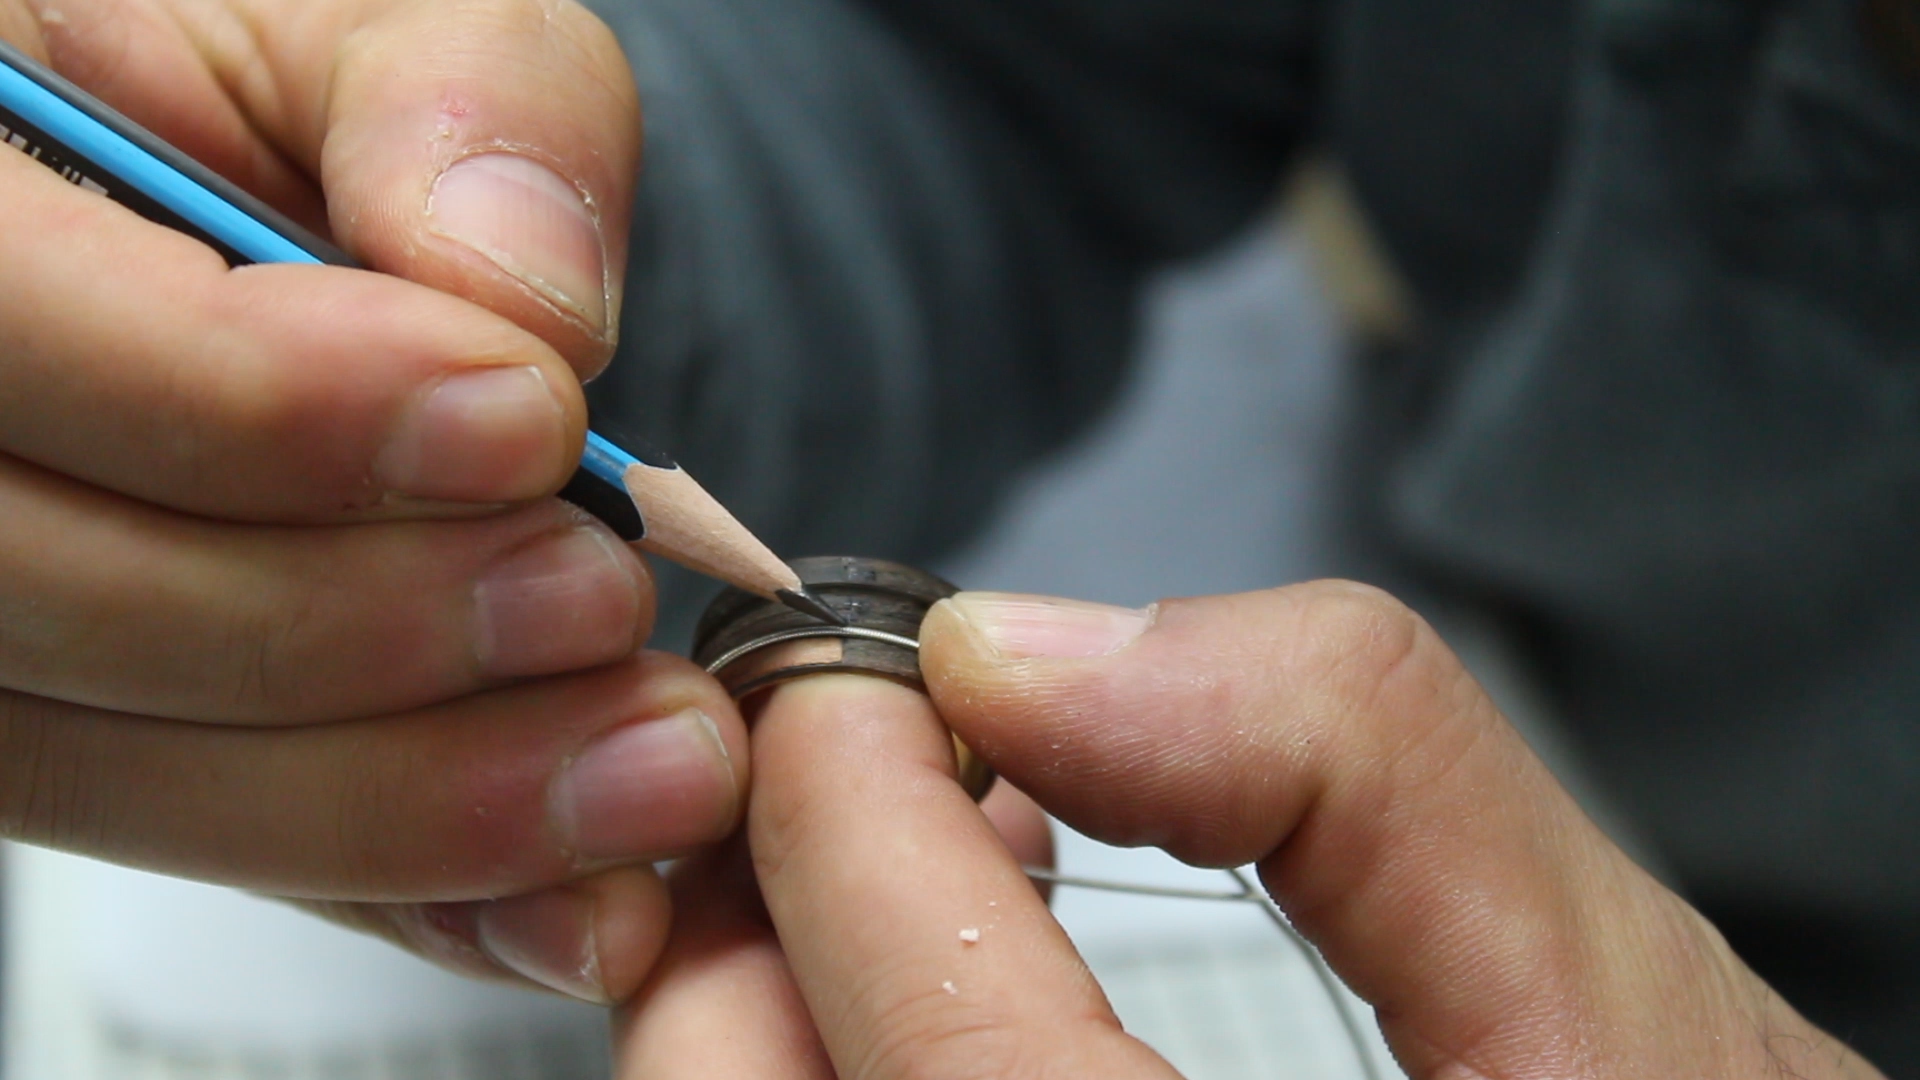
<point x="644" y="496"/>
<point x="650" y="501"/>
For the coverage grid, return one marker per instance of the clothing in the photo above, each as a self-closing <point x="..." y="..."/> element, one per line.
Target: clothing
<point x="1664" y="411"/>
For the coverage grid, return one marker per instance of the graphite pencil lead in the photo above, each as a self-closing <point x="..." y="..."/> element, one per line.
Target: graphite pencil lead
<point x="806" y="603"/>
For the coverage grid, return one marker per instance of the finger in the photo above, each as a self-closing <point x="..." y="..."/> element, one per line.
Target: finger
<point x="593" y="939"/>
<point x="1325" y="731"/>
<point x="108" y="602"/>
<point x="19" y="28"/>
<point x="918" y="944"/>
<point x="491" y="796"/>
<point x="487" y="148"/>
<point x="135" y="360"/>
<point x="140" y="57"/>
<point x="381" y="100"/>
<point x="721" y="1001"/>
<point x="724" y="988"/>
<point x="1022" y="826"/>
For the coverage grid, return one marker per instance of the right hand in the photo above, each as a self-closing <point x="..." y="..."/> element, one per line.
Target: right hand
<point x="1322" y="732"/>
<point x="283" y="601"/>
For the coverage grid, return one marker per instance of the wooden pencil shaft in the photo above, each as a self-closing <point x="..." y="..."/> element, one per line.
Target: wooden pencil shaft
<point x="686" y="524"/>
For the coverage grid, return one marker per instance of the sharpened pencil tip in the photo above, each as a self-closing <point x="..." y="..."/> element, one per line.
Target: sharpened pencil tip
<point x="806" y="603"/>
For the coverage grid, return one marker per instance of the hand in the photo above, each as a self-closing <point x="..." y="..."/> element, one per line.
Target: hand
<point x="1322" y="732"/>
<point x="277" y="558"/>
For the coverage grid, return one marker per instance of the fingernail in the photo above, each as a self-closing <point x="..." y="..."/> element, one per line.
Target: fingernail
<point x="493" y="434"/>
<point x="547" y="937"/>
<point x="649" y="789"/>
<point x="1023" y="627"/>
<point x="529" y="221"/>
<point x="564" y="601"/>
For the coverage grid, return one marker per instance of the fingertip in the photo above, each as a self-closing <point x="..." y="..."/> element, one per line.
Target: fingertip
<point x="633" y="914"/>
<point x="947" y="639"/>
<point x="670" y="677"/>
<point x="1013" y="627"/>
<point x="480" y="434"/>
<point x="348" y="394"/>
<point x="667" y="776"/>
<point x="547" y="938"/>
<point x="593" y="939"/>
<point x="961" y="667"/>
<point x="565" y="599"/>
<point x="1004" y="701"/>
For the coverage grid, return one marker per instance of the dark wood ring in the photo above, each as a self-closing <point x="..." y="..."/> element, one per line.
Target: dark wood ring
<point x="765" y="643"/>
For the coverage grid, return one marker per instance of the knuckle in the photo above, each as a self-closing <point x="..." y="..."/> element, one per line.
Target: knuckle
<point x="1362" y="648"/>
<point x="1356" y="631"/>
<point x="1386" y="675"/>
<point x="266" y="638"/>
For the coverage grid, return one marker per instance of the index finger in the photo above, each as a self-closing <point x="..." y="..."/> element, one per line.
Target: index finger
<point x="916" y="940"/>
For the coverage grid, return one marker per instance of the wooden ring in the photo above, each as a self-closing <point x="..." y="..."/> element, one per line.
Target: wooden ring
<point x="752" y="644"/>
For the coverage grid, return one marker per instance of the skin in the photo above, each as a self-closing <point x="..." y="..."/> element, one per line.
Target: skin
<point x="1320" y="732"/>
<point x="244" y="586"/>
<point x="240" y="637"/>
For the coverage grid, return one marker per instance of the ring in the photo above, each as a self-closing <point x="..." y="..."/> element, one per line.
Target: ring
<point x="752" y="644"/>
<point x="802" y="634"/>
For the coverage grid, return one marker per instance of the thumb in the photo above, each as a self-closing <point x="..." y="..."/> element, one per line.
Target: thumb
<point x="1326" y="733"/>
<point x="487" y="148"/>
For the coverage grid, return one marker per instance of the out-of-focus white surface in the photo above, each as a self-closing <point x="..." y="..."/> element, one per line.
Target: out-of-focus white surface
<point x="46" y="1033"/>
<point x="1206" y="479"/>
<point x="111" y="966"/>
<point x="216" y="966"/>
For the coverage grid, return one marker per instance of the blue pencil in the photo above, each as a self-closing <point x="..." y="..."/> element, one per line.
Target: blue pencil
<point x="642" y="494"/>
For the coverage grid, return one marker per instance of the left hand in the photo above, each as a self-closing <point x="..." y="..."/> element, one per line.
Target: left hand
<point x="285" y="602"/>
<point x="1321" y="731"/>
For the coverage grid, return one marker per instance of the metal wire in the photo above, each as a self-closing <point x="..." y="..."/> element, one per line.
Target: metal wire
<point x="1328" y="982"/>
<point x="1040" y="873"/>
<point x="803" y="632"/>
<point x="1247" y="891"/>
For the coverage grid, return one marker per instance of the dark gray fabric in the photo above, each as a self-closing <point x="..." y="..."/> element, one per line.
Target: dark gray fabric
<point x="1663" y="411"/>
<point x="865" y="288"/>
